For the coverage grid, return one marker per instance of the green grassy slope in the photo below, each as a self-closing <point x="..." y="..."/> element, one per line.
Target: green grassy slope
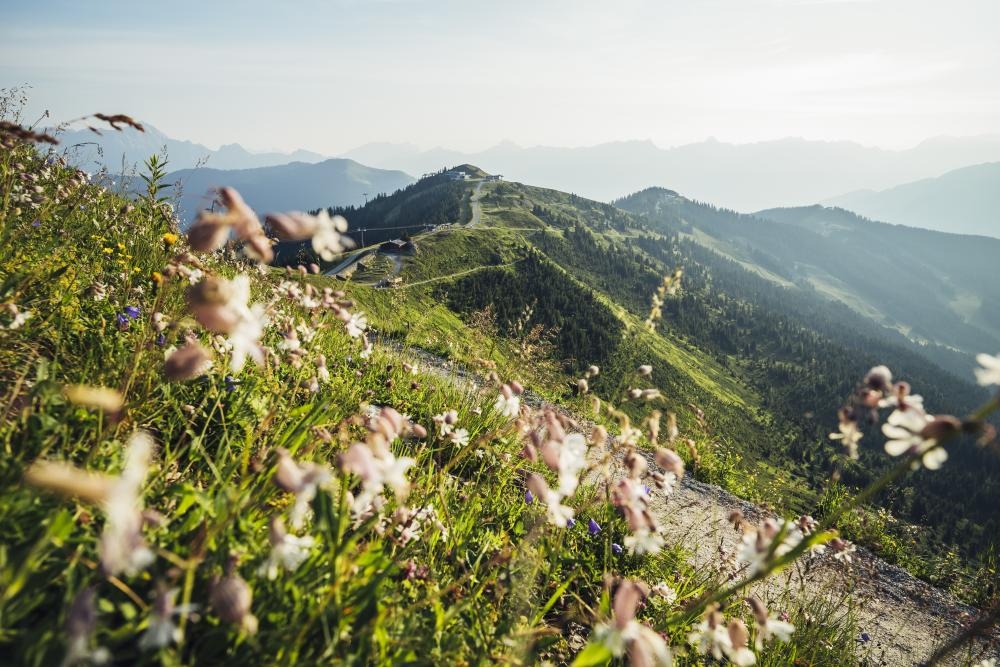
<point x="765" y="362"/>
<point x="463" y="571"/>
<point x="931" y="286"/>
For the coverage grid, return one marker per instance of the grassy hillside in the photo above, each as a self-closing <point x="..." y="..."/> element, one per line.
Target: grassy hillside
<point x="163" y="513"/>
<point x="929" y="286"/>
<point x="368" y="486"/>
<point x="768" y="365"/>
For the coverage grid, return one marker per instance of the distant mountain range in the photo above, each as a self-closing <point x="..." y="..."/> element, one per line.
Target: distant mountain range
<point x="296" y="186"/>
<point x="965" y="201"/>
<point x="743" y="177"/>
<point x="929" y="185"/>
<point x="122" y="151"/>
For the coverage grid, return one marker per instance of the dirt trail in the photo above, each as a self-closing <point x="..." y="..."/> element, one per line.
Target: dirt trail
<point x="477" y="209"/>
<point x="903" y="619"/>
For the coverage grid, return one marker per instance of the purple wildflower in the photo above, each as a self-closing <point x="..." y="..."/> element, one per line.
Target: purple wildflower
<point x="122" y="321"/>
<point x="231" y="383"/>
<point x="528" y="498"/>
<point x="616" y="549"/>
<point x="36" y="223"/>
<point x="161" y="340"/>
<point x="865" y="638"/>
<point x="570" y="522"/>
<point x="593" y="527"/>
<point x="132" y="312"/>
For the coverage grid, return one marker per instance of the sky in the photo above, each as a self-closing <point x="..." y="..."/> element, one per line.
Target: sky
<point x="332" y="75"/>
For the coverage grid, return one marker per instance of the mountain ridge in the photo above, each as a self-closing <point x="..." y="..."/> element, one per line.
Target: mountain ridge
<point x="963" y="200"/>
<point x="292" y="186"/>
<point x="130" y="148"/>
<point x="849" y="259"/>
<point x="798" y="171"/>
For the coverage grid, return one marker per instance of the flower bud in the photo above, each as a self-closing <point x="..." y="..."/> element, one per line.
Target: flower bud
<point x="102" y="398"/>
<point x="670" y="461"/>
<point x="207" y="234"/>
<point x="68" y="480"/>
<point x="537" y="486"/>
<point x="292" y="226"/>
<point x="878" y="378"/>
<point x="231" y="599"/>
<point x="759" y="610"/>
<point x="288" y="476"/>
<point x="636" y="465"/>
<point x="942" y="426"/>
<point x="626" y="602"/>
<point x="738" y="634"/>
<point x="187" y="363"/>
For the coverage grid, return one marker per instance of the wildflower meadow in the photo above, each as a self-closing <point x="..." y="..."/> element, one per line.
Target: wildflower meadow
<point x="209" y="460"/>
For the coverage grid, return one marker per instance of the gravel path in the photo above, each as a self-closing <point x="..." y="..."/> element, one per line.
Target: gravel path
<point x="903" y="618"/>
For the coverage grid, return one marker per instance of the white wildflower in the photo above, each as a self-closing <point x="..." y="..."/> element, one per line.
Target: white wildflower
<point x="643" y="541"/>
<point x="19" y="317"/>
<point x="287" y="551"/>
<point x="221" y="306"/>
<point x="559" y="514"/>
<point x="572" y="461"/>
<point x="767" y="627"/>
<point x="625" y="635"/>
<point x="849" y="435"/>
<point x="446" y="422"/>
<point x="508" y="406"/>
<point x="460" y="437"/>
<point x="913" y="431"/>
<point x="302" y="479"/>
<point x="710" y="636"/>
<point x="842" y="550"/>
<point x="664" y="591"/>
<point x="356" y="325"/>
<point x="328" y="239"/>
<point x="757" y="549"/>
<point x="162" y="631"/>
<point x="989" y="374"/>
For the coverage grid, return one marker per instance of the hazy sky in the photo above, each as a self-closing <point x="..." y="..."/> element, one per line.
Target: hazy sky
<point x="332" y="75"/>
